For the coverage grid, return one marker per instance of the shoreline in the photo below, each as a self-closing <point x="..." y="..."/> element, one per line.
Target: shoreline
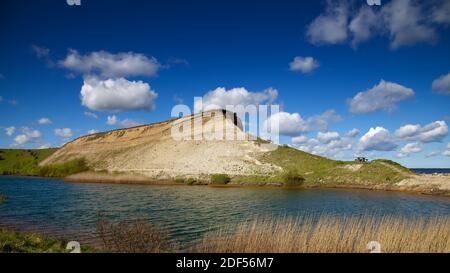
<point x="413" y="185"/>
<point x="423" y="188"/>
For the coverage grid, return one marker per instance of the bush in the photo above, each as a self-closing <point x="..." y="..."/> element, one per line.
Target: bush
<point x="65" y="169"/>
<point x="293" y="178"/>
<point x="187" y="181"/>
<point x="179" y="180"/>
<point x="220" y="179"/>
<point x="190" y="181"/>
<point x="134" y="236"/>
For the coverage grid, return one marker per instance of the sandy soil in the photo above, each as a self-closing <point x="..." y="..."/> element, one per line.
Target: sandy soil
<point x="438" y="184"/>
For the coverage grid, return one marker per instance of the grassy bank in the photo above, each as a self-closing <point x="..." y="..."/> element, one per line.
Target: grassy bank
<point x="26" y="163"/>
<point x="24" y="242"/>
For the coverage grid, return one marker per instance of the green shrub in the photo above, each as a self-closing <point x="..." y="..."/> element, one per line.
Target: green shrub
<point x="179" y="180"/>
<point x="220" y="179"/>
<point x="65" y="169"/>
<point x="190" y="181"/>
<point x="20" y="242"/>
<point x="293" y="178"/>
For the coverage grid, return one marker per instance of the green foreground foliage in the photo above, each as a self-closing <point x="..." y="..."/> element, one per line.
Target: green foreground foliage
<point x="22" y="242"/>
<point x="220" y="179"/>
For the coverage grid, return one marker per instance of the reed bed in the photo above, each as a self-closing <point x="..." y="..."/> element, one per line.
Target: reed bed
<point x="328" y="234"/>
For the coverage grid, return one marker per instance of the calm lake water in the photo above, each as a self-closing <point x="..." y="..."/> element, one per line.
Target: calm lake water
<point x="70" y="210"/>
<point x="430" y="171"/>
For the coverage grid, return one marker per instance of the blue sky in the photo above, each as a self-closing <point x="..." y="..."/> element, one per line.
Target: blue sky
<point x="137" y="59"/>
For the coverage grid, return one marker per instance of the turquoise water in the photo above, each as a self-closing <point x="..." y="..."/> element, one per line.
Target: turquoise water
<point x="71" y="210"/>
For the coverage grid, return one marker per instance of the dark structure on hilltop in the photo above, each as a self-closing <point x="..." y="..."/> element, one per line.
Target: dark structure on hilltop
<point x="361" y="159"/>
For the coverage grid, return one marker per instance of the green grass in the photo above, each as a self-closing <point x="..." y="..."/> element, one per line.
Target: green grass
<point x="65" y="169"/>
<point x="19" y="242"/>
<point x="22" y="162"/>
<point x="187" y="181"/>
<point x="293" y="178"/>
<point x="318" y="170"/>
<point x="394" y="164"/>
<point x="26" y="163"/>
<point x="190" y="181"/>
<point x="221" y="179"/>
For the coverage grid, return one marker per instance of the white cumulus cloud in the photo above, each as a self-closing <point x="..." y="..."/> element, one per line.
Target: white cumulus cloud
<point x="432" y="132"/>
<point x="384" y="95"/>
<point x="63" y="132"/>
<point x="117" y="95"/>
<point x="112" y="120"/>
<point x="219" y="98"/>
<point x="109" y="65"/>
<point x="446" y="152"/>
<point x="299" y="139"/>
<point x="410" y="148"/>
<point x="377" y="139"/>
<point x="442" y="85"/>
<point x="331" y="26"/>
<point x="362" y="26"/>
<point x="28" y="135"/>
<point x="408" y="131"/>
<point x="10" y="130"/>
<point x="44" y="121"/>
<point x="91" y="115"/>
<point x="353" y="132"/>
<point x="403" y="22"/>
<point x="327" y="137"/>
<point x="333" y="149"/>
<point x="303" y="64"/>
<point x="407" y="23"/>
<point x="292" y="124"/>
<point x="130" y="123"/>
<point x="289" y="124"/>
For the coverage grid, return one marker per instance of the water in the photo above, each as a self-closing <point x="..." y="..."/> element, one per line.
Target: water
<point x="430" y="171"/>
<point x="70" y="210"/>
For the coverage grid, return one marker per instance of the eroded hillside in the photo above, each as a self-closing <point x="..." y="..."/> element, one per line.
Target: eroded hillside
<point x="153" y="151"/>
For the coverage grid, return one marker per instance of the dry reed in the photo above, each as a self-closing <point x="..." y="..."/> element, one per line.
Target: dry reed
<point x="328" y="234"/>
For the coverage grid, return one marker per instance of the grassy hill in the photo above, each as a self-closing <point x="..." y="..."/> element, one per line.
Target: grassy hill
<point x="22" y="162"/>
<point x="26" y="163"/>
<point x="319" y="170"/>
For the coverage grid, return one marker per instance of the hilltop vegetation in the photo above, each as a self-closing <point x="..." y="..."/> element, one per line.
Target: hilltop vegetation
<point x="316" y="170"/>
